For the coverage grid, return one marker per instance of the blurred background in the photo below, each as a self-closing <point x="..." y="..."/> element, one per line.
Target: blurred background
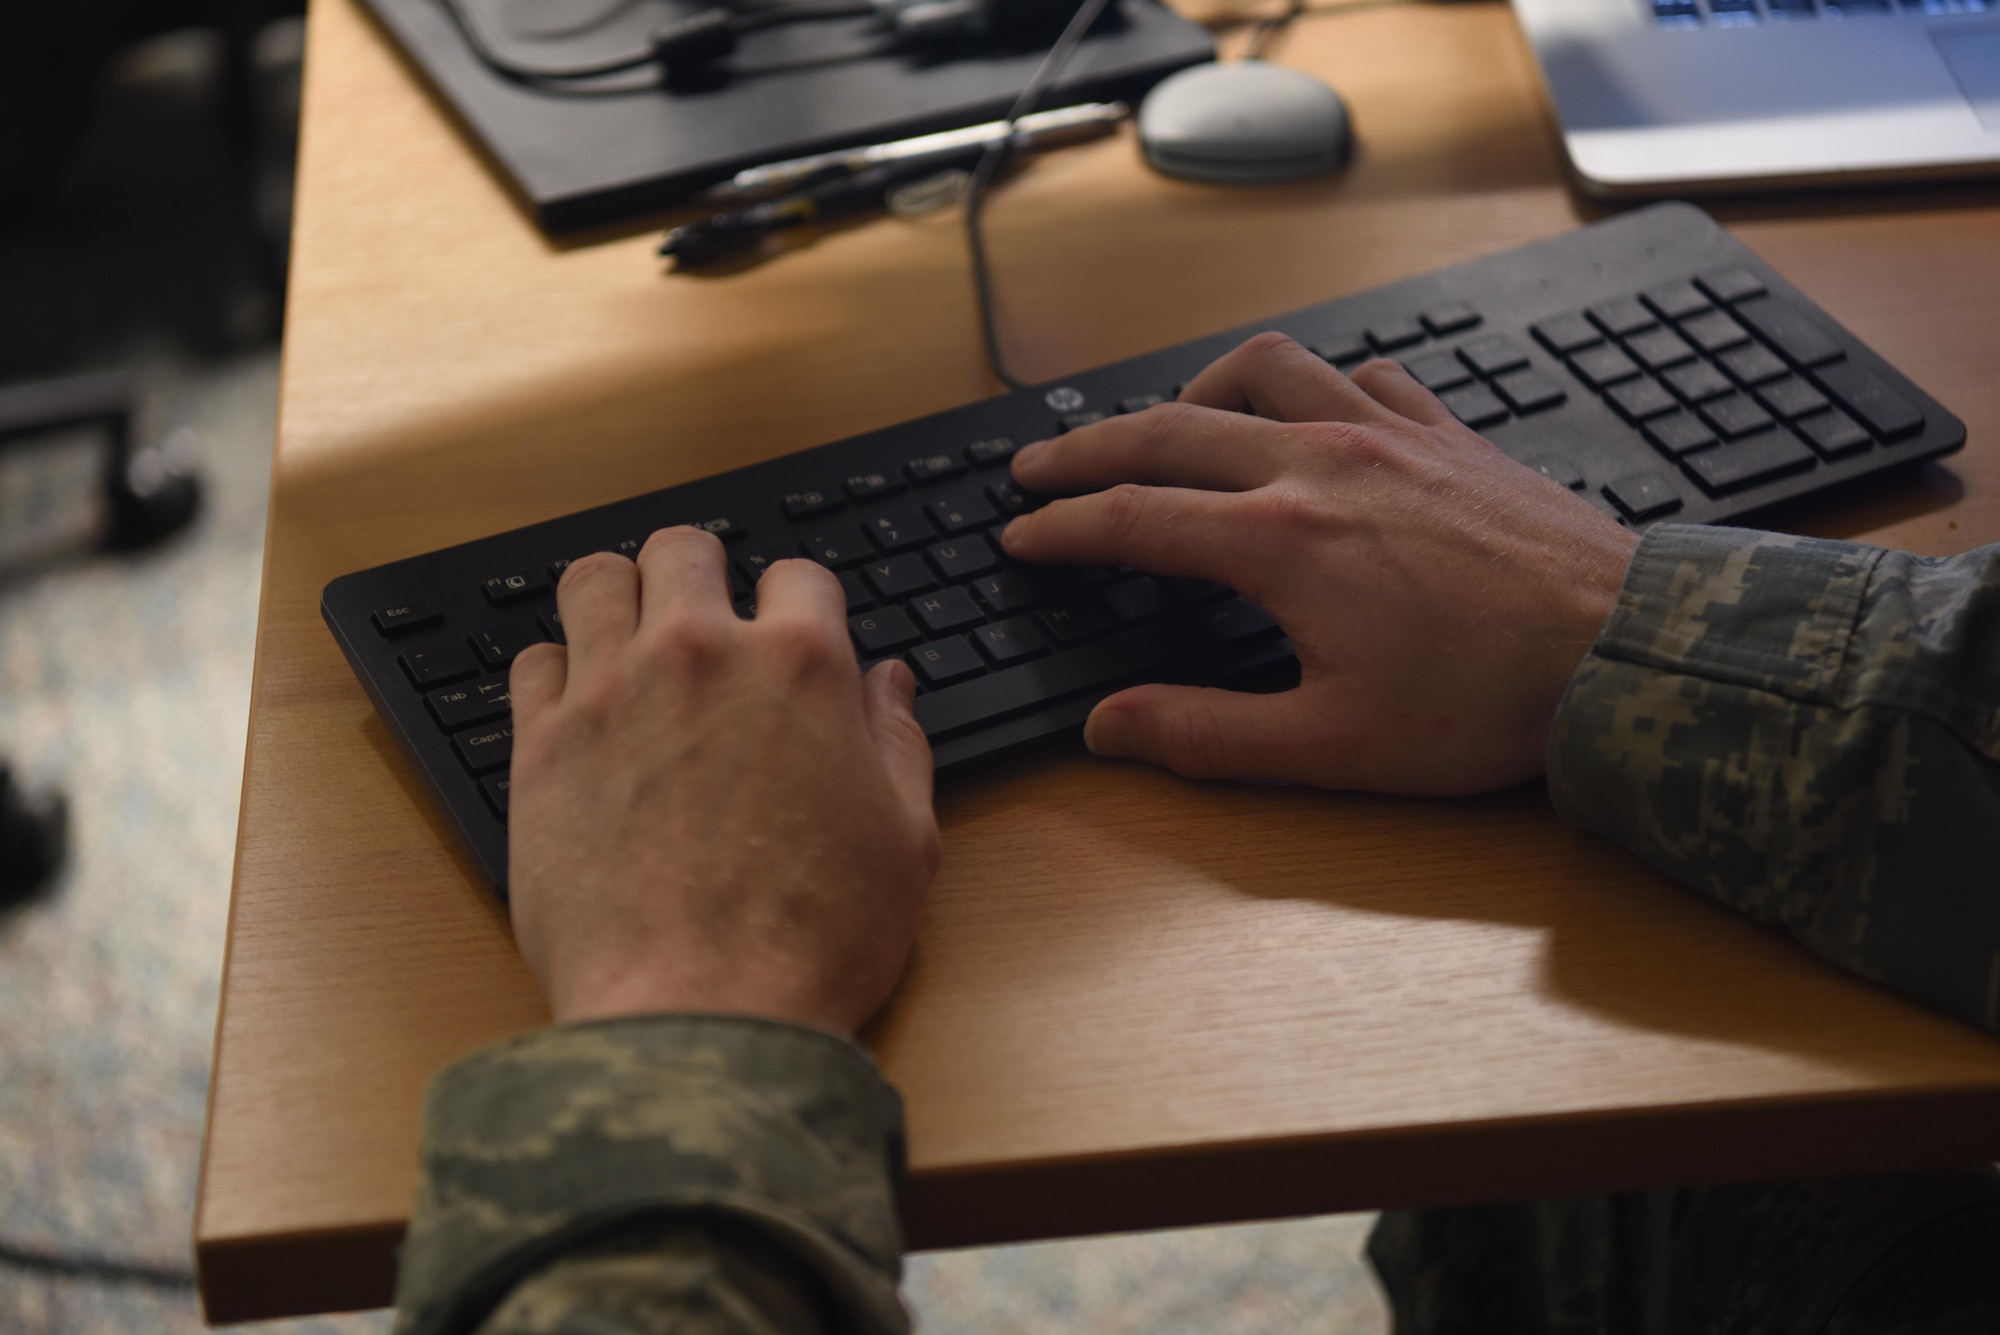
<point x="146" y="162"/>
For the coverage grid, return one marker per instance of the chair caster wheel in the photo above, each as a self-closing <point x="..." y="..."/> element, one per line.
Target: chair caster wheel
<point x="34" y="840"/>
<point x="152" y="496"/>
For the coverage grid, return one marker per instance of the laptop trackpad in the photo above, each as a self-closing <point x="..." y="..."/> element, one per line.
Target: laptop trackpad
<point x="1974" y="57"/>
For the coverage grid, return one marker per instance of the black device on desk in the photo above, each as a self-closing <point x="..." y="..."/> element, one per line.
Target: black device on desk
<point x="1651" y="363"/>
<point x="586" y="152"/>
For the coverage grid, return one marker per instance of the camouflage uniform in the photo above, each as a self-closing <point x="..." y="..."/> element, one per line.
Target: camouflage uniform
<point x="1806" y="731"/>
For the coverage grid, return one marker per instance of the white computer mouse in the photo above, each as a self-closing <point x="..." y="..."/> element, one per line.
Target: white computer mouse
<point x="1244" y="121"/>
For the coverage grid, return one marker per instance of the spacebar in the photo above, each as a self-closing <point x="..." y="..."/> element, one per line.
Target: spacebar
<point x="1047" y="680"/>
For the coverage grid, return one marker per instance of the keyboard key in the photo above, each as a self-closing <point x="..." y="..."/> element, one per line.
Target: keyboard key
<point x="806" y="504"/>
<point x="504" y="589"/>
<point x="859" y="595"/>
<point x="1529" y="391"/>
<point x="552" y="626"/>
<point x="1792" y="397"/>
<point x="1083" y="417"/>
<point x="986" y="453"/>
<point x="1697" y="382"/>
<point x="898" y="576"/>
<point x="837" y="548"/>
<point x="1566" y="334"/>
<point x="1753" y="364"/>
<point x="753" y="564"/>
<point x="1189" y="592"/>
<point x="498" y="646"/>
<point x="1676" y="300"/>
<point x="1677" y="13"/>
<point x="962" y="558"/>
<point x="1075" y="579"/>
<point x="746" y="609"/>
<point x="1658" y="348"/>
<point x="1732" y="284"/>
<point x="1450" y="318"/>
<point x="1734" y="13"/>
<point x="1009" y="590"/>
<point x="1010" y="500"/>
<point x="869" y="486"/>
<point x="1557" y="468"/>
<point x="725" y="528"/>
<point x="1492" y="355"/>
<point x="495" y="787"/>
<point x="1637" y="400"/>
<point x="406" y="617"/>
<point x="1010" y="641"/>
<point x="1235" y="620"/>
<point x="1138" y="403"/>
<point x="1137" y="600"/>
<point x="556" y="569"/>
<point x="1682" y="433"/>
<point x="1030" y="685"/>
<point x="1603" y="366"/>
<point x="1642" y="496"/>
<point x="1870" y="399"/>
<point x="1074" y="621"/>
<point x="1787" y="327"/>
<point x="1834" y="435"/>
<point x="1748" y="462"/>
<point x="484" y="750"/>
<point x="456" y="707"/>
<point x="934" y="467"/>
<point x="1714" y="331"/>
<point x="958" y="514"/>
<point x="946" y="610"/>
<point x="1393" y="334"/>
<point x="1622" y="316"/>
<point x="942" y="662"/>
<point x="628" y="547"/>
<point x="1343" y="348"/>
<point x="1438" y="371"/>
<point x="1475" y="405"/>
<point x="882" y="631"/>
<point x="899" y="529"/>
<point x="1736" y="415"/>
<point x="436" y="665"/>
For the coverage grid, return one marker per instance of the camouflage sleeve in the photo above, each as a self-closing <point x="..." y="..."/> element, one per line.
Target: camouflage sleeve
<point x="1809" y="732"/>
<point x="685" y="1173"/>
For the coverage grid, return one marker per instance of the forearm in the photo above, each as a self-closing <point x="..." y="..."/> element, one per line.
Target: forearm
<point x="683" y="1173"/>
<point x="1808" y="732"/>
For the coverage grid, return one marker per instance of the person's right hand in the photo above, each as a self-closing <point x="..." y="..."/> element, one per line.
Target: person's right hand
<point x="1439" y="594"/>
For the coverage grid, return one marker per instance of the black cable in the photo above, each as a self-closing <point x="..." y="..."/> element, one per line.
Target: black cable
<point x="499" y="64"/>
<point x="995" y="157"/>
<point x="95" y="1267"/>
<point x="1267" y="30"/>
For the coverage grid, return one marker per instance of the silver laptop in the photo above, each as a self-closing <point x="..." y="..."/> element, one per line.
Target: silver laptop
<point x="1679" y="96"/>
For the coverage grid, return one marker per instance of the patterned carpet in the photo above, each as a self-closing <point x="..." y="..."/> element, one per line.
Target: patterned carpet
<point x="125" y="681"/>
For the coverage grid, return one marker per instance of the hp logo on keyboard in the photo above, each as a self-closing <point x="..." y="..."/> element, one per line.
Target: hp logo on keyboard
<point x="1063" y="399"/>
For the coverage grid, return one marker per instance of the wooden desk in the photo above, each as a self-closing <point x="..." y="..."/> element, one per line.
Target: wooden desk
<point x="1137" y="1001"/>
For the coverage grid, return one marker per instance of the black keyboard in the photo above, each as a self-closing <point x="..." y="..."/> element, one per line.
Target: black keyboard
<point x="1649" y="362"/>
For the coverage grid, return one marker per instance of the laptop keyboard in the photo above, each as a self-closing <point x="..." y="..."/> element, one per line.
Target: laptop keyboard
<point x="1748" y="13"/>
<point x="1650" y="363"/>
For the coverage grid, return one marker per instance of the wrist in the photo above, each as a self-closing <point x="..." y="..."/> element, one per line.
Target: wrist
<point x="611" y="991"/>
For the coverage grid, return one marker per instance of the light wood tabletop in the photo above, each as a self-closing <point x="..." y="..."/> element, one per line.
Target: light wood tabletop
<point x="1136" y="1001"/>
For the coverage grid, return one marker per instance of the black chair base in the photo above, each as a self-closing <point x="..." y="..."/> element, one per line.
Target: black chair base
<point x="34" y="840"/>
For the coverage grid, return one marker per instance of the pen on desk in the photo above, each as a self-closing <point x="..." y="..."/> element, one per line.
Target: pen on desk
<point x="1043" y="129"/>
<point x="839" y="190"/>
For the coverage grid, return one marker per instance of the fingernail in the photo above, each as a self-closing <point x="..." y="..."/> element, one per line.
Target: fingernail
<point x="1007" y="533"/>
<point x="1028" y="453"/>
<point x="1108" y="732"/>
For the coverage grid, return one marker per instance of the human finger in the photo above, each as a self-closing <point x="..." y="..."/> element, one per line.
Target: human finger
<point x="682" y="568"/>
<point x="1165" y="530"/>
<point x="535" y="682"/>
<point x="1390" y="385"/>
<point x="1202" y="732"/>
<point x="1273" y="376"/>
<point x="798" y="588"/>
<point x="598" y="601"/>
<point x="887" y="693"/>
<point x="1172" y="444"/>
